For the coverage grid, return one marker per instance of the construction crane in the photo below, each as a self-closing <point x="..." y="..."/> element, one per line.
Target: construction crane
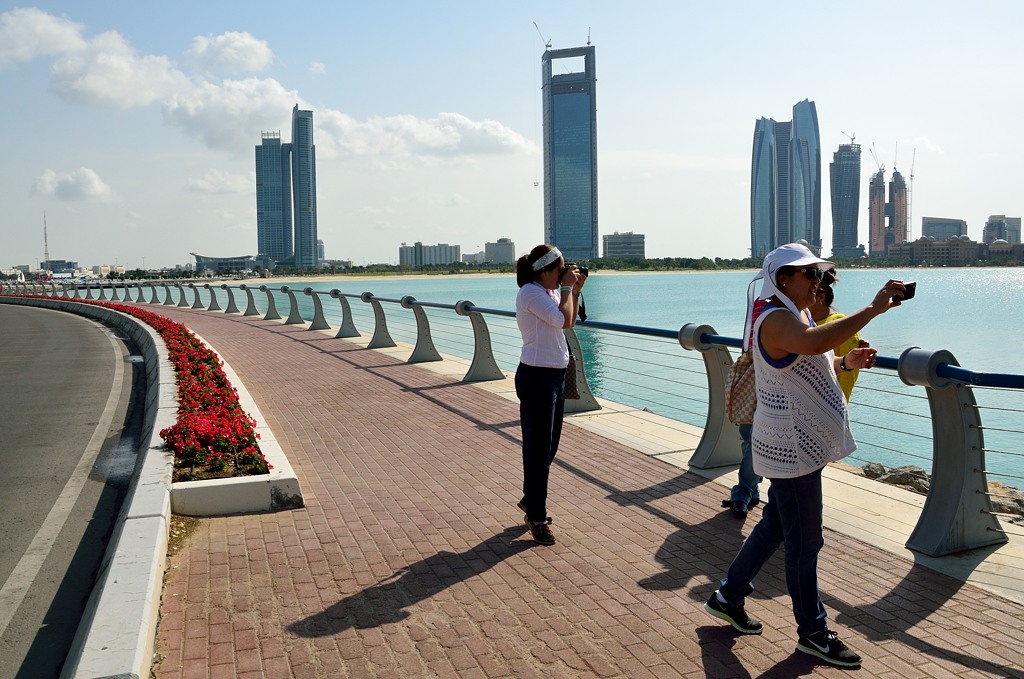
<point x="910" y="197"/>
<point x="874" y="155"/>
<point x="851" y="137"/>
<point x="547" y="42"/>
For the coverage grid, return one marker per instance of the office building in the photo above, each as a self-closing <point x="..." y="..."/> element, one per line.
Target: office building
<point x="570" y="152"/>
<point x="626" y="245"/>
<point x="419" y="254"/>
<point x="844" y="178"/>
<point x="785" y="182"/>
<point x="286" y="194"/>
<point x="956" y="251"/>
<point x="1001" y="227"/>
<point x="274" y="198"/>
<point x="942" y="228"/>
<point x="501" y="252"/>
<point x="320" y="251"/>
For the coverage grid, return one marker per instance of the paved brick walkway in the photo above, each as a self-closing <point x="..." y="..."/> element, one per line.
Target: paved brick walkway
<point x="409" y="559"/>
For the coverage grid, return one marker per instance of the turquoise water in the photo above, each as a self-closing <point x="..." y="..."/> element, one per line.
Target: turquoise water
<point x="970" y="312"/>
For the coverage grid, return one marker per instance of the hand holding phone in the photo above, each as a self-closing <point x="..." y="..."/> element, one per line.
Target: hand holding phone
<point x="910" y="289"/>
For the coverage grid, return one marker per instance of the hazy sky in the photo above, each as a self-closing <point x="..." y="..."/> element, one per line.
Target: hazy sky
<point x="132" y="125"/>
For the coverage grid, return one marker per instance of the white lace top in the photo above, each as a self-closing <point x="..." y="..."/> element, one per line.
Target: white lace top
<point x="801" y="422"/>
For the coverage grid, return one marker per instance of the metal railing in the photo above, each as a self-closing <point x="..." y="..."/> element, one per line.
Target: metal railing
<point x="958" y="513"/>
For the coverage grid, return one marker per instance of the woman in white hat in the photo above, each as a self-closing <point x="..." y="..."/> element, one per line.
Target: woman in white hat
<point x="800" y="425"/>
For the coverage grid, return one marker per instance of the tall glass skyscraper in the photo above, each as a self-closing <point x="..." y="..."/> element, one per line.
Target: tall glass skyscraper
<point x="286" y="194"/>
<point x="844" y="174"/>
<point x="274" y="198"/>
<point x="785" y="182"/>
<point x="570" y="154"/>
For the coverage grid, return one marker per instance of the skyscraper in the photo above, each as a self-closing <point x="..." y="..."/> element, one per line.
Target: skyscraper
<point x="785" y="181"/>
<point x="881" y="233"/>
<point x="273" y="198"/>
<point x="570" y="154"/>
<point x="844" y="176"/>
<point x="286" y="188"/>
<point x="304" y="187"/>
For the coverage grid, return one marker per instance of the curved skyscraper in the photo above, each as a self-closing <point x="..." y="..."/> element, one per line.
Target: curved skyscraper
<point x="785" y="182"/>
<point x="844" y="175"/>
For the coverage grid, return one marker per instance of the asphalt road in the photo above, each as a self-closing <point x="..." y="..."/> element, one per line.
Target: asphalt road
<point x="69" y="430"/>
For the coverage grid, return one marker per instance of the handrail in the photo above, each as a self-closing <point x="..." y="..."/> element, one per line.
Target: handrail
<point x="957" y="514"/>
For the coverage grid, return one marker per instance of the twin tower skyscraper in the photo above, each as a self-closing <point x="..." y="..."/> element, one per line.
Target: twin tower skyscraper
<point x="286" y="195"/>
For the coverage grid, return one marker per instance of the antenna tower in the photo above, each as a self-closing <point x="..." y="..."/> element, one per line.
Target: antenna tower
<point x="46" y="243"/>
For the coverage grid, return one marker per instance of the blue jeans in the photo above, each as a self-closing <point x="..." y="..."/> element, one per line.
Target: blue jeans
<point x="792" y="516"/>
<point x="541" y="393"/>
<point x="746" y="489"/>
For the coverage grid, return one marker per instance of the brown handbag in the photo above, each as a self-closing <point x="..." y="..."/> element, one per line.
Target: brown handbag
<point x="742" y="390"/>
<point x="571" y="390"/>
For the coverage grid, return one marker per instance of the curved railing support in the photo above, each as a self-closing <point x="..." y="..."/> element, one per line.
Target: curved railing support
<point x="586" y="402"/>
<point x="214" y="305"/>
<point x="381" y="337"/>
<point x="250" y="305"/>
<point x="230" y="308"/>
<point x="168" y="295"/>
<point x="348" y="327"/>
<point x="154" y="298"/>
<point x="88" y="291"/>
<point x="103" y="292"/>
<point x="113" y="293"/>
<point x="182" y="299"/>
<point x="957" y="515"/>
<point x="319" y="320"/>
<point x="197" y="303"/>
<point x="720" y="444"/>
<point x="424" y="350"/>
<point x="271" y="314"/>
<point x="294" y="317"/>
<point x="483" y="367"/>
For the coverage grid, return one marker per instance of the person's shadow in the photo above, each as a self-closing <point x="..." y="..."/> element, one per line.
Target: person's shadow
<point x="386" y="601"/>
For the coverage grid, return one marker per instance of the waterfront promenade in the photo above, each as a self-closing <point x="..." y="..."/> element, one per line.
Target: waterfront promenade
<point x="410" y="558"/>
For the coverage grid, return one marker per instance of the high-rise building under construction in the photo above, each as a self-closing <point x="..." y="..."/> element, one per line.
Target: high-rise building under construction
<point x="844" y="177"/>
<point x="887" y="219"/>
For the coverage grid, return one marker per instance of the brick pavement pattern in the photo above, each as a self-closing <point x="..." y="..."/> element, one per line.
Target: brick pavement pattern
<point x="410" y="558"/>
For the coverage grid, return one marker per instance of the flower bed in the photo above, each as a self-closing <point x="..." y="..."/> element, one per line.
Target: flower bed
<point x="213" y="437"/>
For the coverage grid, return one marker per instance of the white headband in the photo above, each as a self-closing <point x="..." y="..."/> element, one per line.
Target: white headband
<point x="552" y="255"/>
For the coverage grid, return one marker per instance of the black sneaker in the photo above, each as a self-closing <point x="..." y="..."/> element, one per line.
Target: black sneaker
<point x="541" y="531"/>
<point x="734" y="615"/>
<point x="826" y="645"/>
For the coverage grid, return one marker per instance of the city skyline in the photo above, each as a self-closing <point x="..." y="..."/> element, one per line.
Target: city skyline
<point x="135" y="127"/>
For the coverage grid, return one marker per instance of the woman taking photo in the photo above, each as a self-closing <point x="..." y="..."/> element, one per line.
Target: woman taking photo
<point x="800" y="425"/>
<point x="545" y="305"/>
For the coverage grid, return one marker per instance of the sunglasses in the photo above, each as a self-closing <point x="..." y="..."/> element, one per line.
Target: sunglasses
<point x="814" y="273"/>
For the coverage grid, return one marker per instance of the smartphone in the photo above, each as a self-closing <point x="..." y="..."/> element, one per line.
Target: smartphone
<point x="909" y="292"/>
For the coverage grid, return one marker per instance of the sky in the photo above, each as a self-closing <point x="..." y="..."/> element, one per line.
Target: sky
<point x="132" y="126"/>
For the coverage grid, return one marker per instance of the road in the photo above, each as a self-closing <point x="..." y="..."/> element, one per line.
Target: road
<point x="69" y="429"/>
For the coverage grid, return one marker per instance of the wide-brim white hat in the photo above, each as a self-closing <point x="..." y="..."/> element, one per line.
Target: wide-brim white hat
<point x="792" y="254"/>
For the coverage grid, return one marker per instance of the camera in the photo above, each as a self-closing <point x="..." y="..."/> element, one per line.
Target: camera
<point x="582" y="269"/>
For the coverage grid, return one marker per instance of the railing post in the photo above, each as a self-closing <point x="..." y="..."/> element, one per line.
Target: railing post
<point x="154" y="298"/>
<point x="483" y="367"/>
<point x="381" y="337"/>
<point x="231" y="308"/>
<point x="88" y="291"/>
<point x="957" y="514"/>
<point x="168" y="298"/>
<point x="103" y="292"/>
<point x="424" y="350"/>
<point x="182" y="300"/>
<point x="720" y="444"/>
<point x="586" y="402"/>
<point x="214" y="306"/>
<point x="348" y="327"/>
<point x="319" y="321"/>
<point x="250" y="306"/>
<point x="113" y="293"/>
<point x="294" y="317"/>
<point x="271" y="314"/>
<point x="196" y="302"/>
